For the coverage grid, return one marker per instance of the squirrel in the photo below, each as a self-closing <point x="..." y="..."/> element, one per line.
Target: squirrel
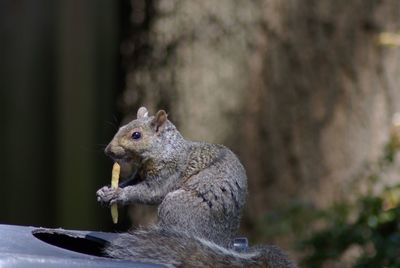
<point x="200" y="189"/>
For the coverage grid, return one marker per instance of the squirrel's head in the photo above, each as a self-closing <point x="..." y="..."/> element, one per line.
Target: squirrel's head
<point x="140" y="138"/>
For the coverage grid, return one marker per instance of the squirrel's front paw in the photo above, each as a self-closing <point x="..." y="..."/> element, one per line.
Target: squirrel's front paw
<point x="108" y="195"/>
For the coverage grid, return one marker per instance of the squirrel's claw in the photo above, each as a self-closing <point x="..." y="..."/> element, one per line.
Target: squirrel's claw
<point x="107" y="195"/>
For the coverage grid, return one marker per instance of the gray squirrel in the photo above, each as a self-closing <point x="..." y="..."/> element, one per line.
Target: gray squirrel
<point x="200" y="189"/>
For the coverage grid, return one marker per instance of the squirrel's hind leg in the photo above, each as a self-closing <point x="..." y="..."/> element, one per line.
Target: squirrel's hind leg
<point x="191" y="213"/>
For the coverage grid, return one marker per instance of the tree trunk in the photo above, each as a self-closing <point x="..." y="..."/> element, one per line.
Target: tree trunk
<point x="302" y="91"/>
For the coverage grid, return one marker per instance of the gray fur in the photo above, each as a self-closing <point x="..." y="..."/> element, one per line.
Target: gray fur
<point x="200" y="189"/>
<point x="176" y="249"/>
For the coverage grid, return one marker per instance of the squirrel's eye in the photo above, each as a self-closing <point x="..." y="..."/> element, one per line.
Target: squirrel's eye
<point x="136" y="135"/>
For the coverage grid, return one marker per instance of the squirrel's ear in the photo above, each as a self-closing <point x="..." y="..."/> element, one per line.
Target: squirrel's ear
<point x="142" y="112"/>
<point x="160" y="119"/>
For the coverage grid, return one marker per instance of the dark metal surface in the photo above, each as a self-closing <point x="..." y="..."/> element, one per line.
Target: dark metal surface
<point x="20" y="248"/>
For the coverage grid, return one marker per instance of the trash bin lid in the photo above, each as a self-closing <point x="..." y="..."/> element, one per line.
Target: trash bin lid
<point x="31" y="247"/>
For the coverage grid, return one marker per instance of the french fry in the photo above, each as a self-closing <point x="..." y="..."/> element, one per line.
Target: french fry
<point x="114" y="184"/>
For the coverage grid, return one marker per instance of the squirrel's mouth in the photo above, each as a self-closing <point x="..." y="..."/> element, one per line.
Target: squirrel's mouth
<point x="129" y="167"/>
<point x="130" y="181"/>
<point x="122" y="159"/>
<point x="129" y="162"/>
<point x="125" y="158"/>
<point x="129" y="159"/>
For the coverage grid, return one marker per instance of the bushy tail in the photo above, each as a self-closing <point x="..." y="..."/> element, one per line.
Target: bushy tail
<point x="176" y="249"/>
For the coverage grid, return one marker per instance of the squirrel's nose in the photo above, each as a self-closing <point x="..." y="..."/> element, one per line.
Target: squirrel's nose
<point x="107" y="150"/>
<point x="115" y="152"/>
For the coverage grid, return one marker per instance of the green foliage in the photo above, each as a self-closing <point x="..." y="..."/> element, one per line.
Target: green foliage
<point x="361" y="230"/>
<point x="368" y="224"/>
<point x="372" y="227"/>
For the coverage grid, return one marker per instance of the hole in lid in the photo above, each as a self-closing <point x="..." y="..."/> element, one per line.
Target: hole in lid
<point x="71" y="241"/>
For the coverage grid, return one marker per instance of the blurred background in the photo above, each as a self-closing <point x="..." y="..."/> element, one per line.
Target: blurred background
<point x="305" y="92"/>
